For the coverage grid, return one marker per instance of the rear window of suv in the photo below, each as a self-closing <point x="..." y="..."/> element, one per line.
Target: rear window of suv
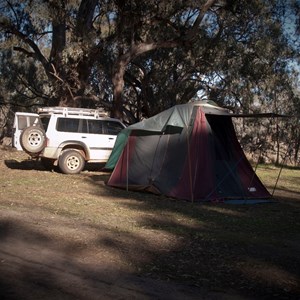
<point x="88" y="126"/>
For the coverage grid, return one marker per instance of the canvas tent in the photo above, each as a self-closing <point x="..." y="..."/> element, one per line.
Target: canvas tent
<point x="189" y="152"/>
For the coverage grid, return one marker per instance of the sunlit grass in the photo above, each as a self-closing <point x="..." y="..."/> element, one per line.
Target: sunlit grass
<point x="276" y="178"/>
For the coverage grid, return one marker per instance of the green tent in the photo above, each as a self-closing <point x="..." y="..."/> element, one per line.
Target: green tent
<point x="189" y="151"/>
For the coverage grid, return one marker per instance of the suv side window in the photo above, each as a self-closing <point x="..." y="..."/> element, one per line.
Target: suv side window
<point x="67" y="124"/>
<point x="95" y="126"/>
<point x="111" y="127"/>
<point x="88" y="126"/>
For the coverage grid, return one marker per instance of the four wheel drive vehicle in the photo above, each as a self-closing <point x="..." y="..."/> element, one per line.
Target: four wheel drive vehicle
<point x="66" y="137"/>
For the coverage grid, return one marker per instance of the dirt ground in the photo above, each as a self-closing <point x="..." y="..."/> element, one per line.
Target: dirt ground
<point x="37" y="264"/>
<point x="59" y="241"/>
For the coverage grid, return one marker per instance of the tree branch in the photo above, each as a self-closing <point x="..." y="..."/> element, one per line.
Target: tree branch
<point x="55" y="74"/>
<point x="192" y="32"/>
<point x="6" y="24"/>
<point x="26" y="52"/>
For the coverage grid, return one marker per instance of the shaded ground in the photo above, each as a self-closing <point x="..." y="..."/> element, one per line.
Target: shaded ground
<point x="72" y="237"/>
<point x="36" y="264"/>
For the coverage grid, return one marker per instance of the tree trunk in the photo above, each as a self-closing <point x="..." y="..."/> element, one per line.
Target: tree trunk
<point x="297" y="146"/>
<point x="140" y="48"/>
<point x="120" y="68"/>
<point x="277" y="144"/>
<point x="118" y="84"/>
<point x="85" y="17"/>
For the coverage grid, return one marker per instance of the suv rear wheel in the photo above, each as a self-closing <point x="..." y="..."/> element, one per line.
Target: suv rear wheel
<point x="33" y="139"/>
<point x="71" y="162"/>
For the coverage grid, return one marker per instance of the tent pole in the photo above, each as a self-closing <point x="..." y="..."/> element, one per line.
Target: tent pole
<point x="281" y="167"/>
<point x="256" y="165"/>
<point x="127" y="164"/>
<point x="190" y="166"/>
<point x="258" y="160"/>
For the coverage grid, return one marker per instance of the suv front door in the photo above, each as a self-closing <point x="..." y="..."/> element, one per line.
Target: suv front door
<point x="101" y="137"/>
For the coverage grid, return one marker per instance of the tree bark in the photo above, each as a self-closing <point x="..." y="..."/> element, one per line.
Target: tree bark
<point x="118" y="84"/>
<point x="141" y="48"/>
<point x="85" y="17"/>
<point x="119" y="70"/>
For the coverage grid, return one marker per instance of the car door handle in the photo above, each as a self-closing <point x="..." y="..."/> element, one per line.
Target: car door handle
<point x="84" y="137"/>
<point x="110" y="138"/>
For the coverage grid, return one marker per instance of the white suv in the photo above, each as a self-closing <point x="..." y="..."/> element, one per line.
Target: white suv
<point x="66" y="137"/>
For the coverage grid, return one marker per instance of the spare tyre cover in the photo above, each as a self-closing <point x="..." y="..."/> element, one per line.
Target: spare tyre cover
<point x="33" y="139"/>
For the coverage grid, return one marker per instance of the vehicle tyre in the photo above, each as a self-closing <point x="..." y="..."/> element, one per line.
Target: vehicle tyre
<point x="33" y="139"/>
<point x="71" y="162"/>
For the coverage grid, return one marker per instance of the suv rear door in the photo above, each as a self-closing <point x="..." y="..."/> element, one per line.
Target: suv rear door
<point x="22" y="121"/>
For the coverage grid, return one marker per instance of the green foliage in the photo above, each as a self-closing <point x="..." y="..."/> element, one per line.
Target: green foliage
<point x="137" y="58"/>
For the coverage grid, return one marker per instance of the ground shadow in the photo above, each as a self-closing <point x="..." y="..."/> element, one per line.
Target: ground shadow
<point x="36" y="164"/>
<point x="29" y="164"/>
<point x="249" y="248"/>
<point x="38" y="265"/>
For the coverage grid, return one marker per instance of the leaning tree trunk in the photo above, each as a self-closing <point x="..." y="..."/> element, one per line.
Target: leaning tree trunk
<point x="118" y="85"/>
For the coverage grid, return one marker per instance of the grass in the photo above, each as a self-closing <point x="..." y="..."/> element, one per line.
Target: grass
<point x="252" y="249"/>
<point x="288" y="178"/>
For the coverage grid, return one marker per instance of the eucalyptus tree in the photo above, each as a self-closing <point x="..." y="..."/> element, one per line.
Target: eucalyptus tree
<point x="230" y="51"/>
<point x="140" y="56"/>
<point x="44" y="36"/>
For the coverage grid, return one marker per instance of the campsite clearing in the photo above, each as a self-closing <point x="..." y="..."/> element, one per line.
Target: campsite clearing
<point x="73" y="237"/>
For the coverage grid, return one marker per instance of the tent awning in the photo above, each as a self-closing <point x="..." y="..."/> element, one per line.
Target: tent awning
<point x="260" y="115"/>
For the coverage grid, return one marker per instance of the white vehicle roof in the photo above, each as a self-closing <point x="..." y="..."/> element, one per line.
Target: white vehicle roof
<point x="26" y="114"/>
<point x="67" y="111"/>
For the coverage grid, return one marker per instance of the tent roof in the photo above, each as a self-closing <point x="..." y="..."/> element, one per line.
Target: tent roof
<point x="180" y="115"/>
<point x="177" y="116"/>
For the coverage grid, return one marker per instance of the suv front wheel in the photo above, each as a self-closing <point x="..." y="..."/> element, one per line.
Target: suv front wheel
<point x="71" y="162"/>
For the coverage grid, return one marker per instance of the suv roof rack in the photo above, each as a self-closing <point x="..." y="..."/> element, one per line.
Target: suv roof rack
<point x="65" y="111"/>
